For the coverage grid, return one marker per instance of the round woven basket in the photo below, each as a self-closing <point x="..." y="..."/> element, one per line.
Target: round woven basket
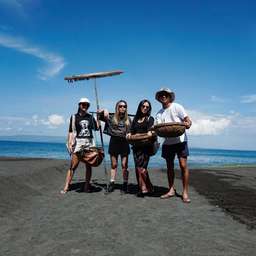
<point x="169" y="129"/>
<point x="141" y="139"/>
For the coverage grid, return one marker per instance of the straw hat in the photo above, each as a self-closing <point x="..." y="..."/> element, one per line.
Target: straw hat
<point x="165" y="90"/>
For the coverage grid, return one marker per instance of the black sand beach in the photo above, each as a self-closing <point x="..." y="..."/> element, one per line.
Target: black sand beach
<point x="36" y="219"/>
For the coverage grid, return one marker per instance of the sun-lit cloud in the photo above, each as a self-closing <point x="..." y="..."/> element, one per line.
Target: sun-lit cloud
<point x="204" y="124"/>
<point x="54" y="62"/>
<point x="248" y="98"/>
<point x="31" y="123"/>
<point x="56" y="120"/>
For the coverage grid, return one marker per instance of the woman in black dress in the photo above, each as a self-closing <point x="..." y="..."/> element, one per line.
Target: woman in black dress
<point x="142" y="123"/>
<point x="117" y="126"/>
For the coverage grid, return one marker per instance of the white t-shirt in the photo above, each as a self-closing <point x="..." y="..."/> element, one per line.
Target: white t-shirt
<point x="174" y="113"/>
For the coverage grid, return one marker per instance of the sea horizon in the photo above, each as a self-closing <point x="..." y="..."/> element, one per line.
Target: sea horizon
<point x="199" y="157"/>
<point x="63" y="139"/>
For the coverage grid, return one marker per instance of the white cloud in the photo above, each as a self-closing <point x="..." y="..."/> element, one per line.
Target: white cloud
<point x="244" y="122"/>
<point x="18" y="123"/>
<point x="248" y="98"/>
<point x="52" y="121"/>
<point x="54" y="62"/>
<point x="204" y="124"/>
<point x="56" y="120"/>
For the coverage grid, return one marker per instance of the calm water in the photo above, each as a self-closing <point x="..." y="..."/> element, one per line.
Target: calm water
<point x="198" y="157"/>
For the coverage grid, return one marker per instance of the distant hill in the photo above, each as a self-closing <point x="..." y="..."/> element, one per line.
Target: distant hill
<point x="34" y="138"/>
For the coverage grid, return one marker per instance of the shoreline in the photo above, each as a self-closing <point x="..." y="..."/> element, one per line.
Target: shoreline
<point x="210" y="167"/>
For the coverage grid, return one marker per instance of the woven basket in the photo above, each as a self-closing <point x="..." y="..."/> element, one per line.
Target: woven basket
<point x="141" y="139"/>
<point x="169" y="129"/>
<point x="92" y="156"/>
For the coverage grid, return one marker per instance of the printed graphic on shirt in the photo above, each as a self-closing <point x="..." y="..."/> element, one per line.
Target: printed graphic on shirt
<point x="84" y="128"/>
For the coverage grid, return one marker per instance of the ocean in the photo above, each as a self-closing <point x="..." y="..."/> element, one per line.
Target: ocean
<point x="199" y="158"/>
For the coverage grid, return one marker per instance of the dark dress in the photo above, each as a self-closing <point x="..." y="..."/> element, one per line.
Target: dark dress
<point x="141" y="153"/>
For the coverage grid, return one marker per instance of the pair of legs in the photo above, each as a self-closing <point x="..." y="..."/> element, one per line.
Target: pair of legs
<point x="113" y="171"/>
<point x="124" y="165"/>
<point x="141" y="159"/>
<point x="169" y="152"/>
<point x="70" y="173"/>
<point x="171" y="176"/>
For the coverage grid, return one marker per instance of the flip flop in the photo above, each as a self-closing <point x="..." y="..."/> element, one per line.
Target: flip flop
<point x="186" y="200"/>
<point x="63" y="191"/>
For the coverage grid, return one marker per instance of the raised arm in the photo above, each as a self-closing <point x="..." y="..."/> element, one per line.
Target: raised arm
<point x="103" y="114"/>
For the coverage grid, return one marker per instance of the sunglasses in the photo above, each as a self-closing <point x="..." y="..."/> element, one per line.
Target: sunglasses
<point x="84" y="104"/>
<point x="145" y="106"/>
<point x="164" y="94"/>
<point x="122" y="106"/>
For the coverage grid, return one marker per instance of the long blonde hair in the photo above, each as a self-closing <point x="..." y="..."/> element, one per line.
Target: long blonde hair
<point x="116" y="118"/>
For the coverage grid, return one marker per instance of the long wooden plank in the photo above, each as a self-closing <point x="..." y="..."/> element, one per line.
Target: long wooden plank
<point x="75" y="78"/>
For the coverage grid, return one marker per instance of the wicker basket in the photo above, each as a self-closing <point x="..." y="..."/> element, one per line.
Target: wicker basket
<point x="141" y="139"/>
<point x="169" y="129"/>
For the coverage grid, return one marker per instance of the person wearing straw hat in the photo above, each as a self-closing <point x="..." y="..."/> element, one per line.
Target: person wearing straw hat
<point x="80" y="137"/>
<point x="172" y="146"/>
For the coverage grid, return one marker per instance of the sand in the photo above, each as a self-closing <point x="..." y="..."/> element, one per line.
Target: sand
<point x="36" y="219"/>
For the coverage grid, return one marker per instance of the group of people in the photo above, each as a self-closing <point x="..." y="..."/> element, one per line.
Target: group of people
<point x="120" y="128"/>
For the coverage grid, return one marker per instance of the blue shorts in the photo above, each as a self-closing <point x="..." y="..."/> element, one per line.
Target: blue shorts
<point x="169" y="151"/>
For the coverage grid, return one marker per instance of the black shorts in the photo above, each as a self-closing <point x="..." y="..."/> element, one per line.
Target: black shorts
<point x="118" y="146"/>
<point x="169" y="151"/>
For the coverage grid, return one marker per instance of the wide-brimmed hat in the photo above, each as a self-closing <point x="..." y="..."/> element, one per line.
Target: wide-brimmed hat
<point x="166" y="90"/>
<point x="84" y="100"/>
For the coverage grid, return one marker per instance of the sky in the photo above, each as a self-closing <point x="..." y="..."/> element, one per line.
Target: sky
<point x="204" y="51"/>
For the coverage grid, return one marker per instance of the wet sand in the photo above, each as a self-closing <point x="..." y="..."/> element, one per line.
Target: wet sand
<point x="36" y="219"/>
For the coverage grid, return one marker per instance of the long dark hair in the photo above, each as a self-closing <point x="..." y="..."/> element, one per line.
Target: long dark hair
<point x="139" y="113"/>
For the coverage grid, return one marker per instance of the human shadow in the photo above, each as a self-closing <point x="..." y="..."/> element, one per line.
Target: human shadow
<point x="133" y="189"/>
<point x="79" y="187"/>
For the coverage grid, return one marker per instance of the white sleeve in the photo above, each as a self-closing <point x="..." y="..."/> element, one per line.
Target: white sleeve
<point x="158" y="119"/>
<point x="181" y="112"/>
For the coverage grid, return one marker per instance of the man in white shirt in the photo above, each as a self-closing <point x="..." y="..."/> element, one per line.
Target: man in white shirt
<point x="174" y="112"/>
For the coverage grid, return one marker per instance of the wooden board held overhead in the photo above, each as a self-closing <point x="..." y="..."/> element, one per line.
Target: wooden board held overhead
<point x="75" y="78"/>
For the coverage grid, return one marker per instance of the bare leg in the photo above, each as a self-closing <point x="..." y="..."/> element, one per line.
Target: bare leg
<point x="141" y="183"/>
<point x="88" y="175"/>
<point x="185" y="177"/>
<point x="73" y="165"/>
<point x="149" y="185"/>
<point x="113" y="171"/>
<point x="170" y="176"/>
<point x="125" y="168"/>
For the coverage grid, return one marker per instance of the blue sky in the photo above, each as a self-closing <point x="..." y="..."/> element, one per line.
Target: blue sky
<point x="203" y="50"/>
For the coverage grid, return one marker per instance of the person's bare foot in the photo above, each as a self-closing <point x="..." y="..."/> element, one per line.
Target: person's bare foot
<point x="170" y="193"/>
<point x="65" y="190"/>
<point x="185" y="198"/>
